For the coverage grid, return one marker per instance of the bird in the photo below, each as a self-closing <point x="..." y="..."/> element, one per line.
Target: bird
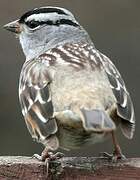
<point x="71" y="94"/>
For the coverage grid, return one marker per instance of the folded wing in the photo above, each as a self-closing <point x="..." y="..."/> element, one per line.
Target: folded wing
<point x="125" y="108"/>
<point x="35" y="99"/>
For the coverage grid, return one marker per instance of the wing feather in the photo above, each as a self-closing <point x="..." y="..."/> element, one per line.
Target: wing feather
<point x="35" y="99"/>
<point x="125" y="107"/>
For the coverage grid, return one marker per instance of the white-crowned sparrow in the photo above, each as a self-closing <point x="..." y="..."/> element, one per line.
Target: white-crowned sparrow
<point x="70" y="93"/>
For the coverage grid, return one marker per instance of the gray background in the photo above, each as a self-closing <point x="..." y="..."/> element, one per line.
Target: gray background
<point x="113" y="25"/>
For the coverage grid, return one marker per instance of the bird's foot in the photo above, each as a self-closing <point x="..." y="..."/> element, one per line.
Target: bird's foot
<point x="37" y="156"/>
<point x="56" y="156"/>
<point x="50" y="160"/>
<point x="117" y="153"/>
<point x="48" y="156"/>
<point x="113" y="157"/>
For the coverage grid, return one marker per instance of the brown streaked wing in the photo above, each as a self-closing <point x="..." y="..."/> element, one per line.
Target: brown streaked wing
<point x="35" y="99"/>
<point x="125" y="107"/>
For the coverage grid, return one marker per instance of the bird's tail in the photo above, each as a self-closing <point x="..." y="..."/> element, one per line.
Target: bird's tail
<point x="127" y="128"/>
<point x="97" y="120"/>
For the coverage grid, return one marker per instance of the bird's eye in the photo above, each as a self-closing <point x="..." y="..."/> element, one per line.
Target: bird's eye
<point x="32" y="24"/>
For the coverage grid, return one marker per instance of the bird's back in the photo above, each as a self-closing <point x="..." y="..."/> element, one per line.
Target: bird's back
<point x="86" y="88"/>
<point x="72" y="90"/>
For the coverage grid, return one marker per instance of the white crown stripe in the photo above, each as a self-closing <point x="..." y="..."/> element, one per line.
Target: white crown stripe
<point x="45" y="17"/>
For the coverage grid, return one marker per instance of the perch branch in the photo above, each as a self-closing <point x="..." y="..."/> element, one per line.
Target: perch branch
<point x="69" y="168"/>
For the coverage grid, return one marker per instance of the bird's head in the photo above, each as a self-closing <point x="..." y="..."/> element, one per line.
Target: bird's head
<point x="41" y="28"/>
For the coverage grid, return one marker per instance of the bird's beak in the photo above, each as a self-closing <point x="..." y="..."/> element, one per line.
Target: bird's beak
<point x="13" y="27"/>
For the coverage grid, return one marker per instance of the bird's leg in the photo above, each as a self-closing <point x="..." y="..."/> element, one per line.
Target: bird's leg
<point x="117" y="153"/>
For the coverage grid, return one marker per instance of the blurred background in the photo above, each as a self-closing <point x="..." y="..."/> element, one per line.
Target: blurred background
<point x="113" y="25"/>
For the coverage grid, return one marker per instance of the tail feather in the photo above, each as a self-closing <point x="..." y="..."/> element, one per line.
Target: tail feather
<point x="127" y="129"/>
<point x="97" y="120"/>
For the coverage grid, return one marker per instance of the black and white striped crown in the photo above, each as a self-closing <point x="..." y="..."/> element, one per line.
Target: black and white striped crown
<point x="48" y="15"/>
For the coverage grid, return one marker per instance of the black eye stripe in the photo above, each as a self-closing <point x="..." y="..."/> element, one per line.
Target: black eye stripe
<point x="33" y="24"/>
<point x="60" y="22"/>
<point x="41" y="10"/>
